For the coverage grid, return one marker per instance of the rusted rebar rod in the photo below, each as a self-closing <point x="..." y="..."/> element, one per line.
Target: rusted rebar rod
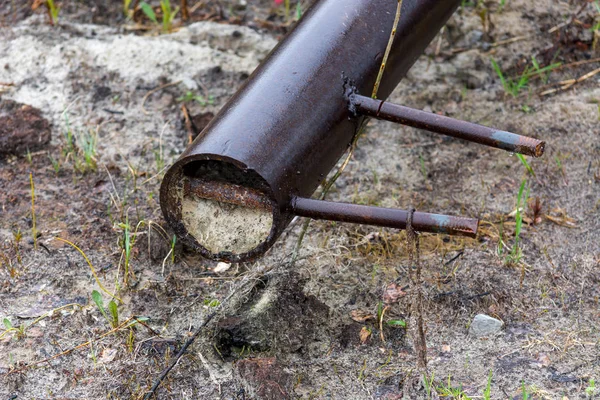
<point x="512" y="142"/>
<point x="386" y="217"/>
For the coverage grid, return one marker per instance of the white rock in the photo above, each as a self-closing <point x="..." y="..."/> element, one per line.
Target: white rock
<point x="222" y="267"/>
<point x="484" y="325"/>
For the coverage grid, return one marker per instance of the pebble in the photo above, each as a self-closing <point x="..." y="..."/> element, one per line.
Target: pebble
<point x="484" y="325"/>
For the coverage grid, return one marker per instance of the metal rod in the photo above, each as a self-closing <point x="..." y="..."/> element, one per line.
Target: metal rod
<point x="512" y="142"/>
<point x="387" y="217"/>
<point x="224" y="192"/>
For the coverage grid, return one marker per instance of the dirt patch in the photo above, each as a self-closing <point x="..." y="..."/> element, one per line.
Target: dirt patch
<point x="324" y="333"/>
<point x="22" y="128"/>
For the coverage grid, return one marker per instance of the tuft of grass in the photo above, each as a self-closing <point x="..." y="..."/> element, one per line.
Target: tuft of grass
<point x="514" y="86"/>
<point x="516" y="253"/>
<point x="89" y="147"/>
<point x="428" y="382"/>
<point x="55" y="163"/>
<point x="448" y="391"/>
<point x="112" y="316"/>
<point x="168" y="14"/>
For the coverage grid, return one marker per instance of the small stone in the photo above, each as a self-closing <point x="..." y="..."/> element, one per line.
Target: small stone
<point x="222" y="267"/>
<point x="484" y="325"/>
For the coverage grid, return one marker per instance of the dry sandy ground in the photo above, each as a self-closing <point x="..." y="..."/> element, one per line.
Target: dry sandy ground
<point x="98" y="80"/>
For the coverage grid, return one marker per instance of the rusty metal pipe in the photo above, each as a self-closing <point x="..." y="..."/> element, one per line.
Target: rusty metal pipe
<point x="285" y="129"/>
<point x="386" y="217"/>
<point x="448" y="126"/>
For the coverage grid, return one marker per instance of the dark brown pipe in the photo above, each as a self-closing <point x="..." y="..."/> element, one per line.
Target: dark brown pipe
<point x="387" y="217"/>
<point x="286" y="128"/>
<point x="447" y="126"/>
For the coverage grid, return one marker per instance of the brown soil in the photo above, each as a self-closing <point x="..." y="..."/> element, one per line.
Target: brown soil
<point x="300" y="332"/>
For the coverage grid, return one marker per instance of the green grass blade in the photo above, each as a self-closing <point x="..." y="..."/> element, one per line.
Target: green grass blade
<point x="526" y="164"/>
<point x="148" y="11"/>
<point x="97" y="297"/>
<point x="114" y="312"/>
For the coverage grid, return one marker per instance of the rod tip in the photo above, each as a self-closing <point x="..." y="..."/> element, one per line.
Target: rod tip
<point x="539" y="149"/>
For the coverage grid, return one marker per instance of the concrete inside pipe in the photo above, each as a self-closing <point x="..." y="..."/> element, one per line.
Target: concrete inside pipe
<point x="225" y="209"/>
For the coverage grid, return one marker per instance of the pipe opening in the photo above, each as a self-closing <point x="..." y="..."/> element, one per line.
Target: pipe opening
<point x="225" y="209"/>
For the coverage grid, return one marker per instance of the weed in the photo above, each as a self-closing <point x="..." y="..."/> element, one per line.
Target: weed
<point x="29" y="157"/>
<point x="52" y="11"/>
<point x="524" y="391"/>
<point x="92" y="269"/>
<point x="148" y="11"/>
<point x="516" y="254"/>
<point x="126" y="244"/>
<point x="287" y="10"/>
<point x="397" y="322"/>
<point x="19" y="331"/>
<point x="513" y="86"/>
<point x="596" y="28"/>
<point x="487" y="392"/>
<point x="429" y="386"/>
<point x="69" y="138"/>
<point x="168" y="14"/>
<point x="55" y="163"/>
<point x="33" y="227"/>
<point x="591" y="389"/>
<point x="361" y="374"/>
<point x="160" y="161"/>
<point x="89" y="144"/>
<point x="448" y="391"/>
<point x="500" y="248"/>
<point x="543" y="72"/>
<point x="126" y="11"/>
<point x="379" y="311"/>
<point x="523" y="160"/>
<point x="212" y="303"/>
<point x="113" y="319"/>
<point x="190" y="96"/>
